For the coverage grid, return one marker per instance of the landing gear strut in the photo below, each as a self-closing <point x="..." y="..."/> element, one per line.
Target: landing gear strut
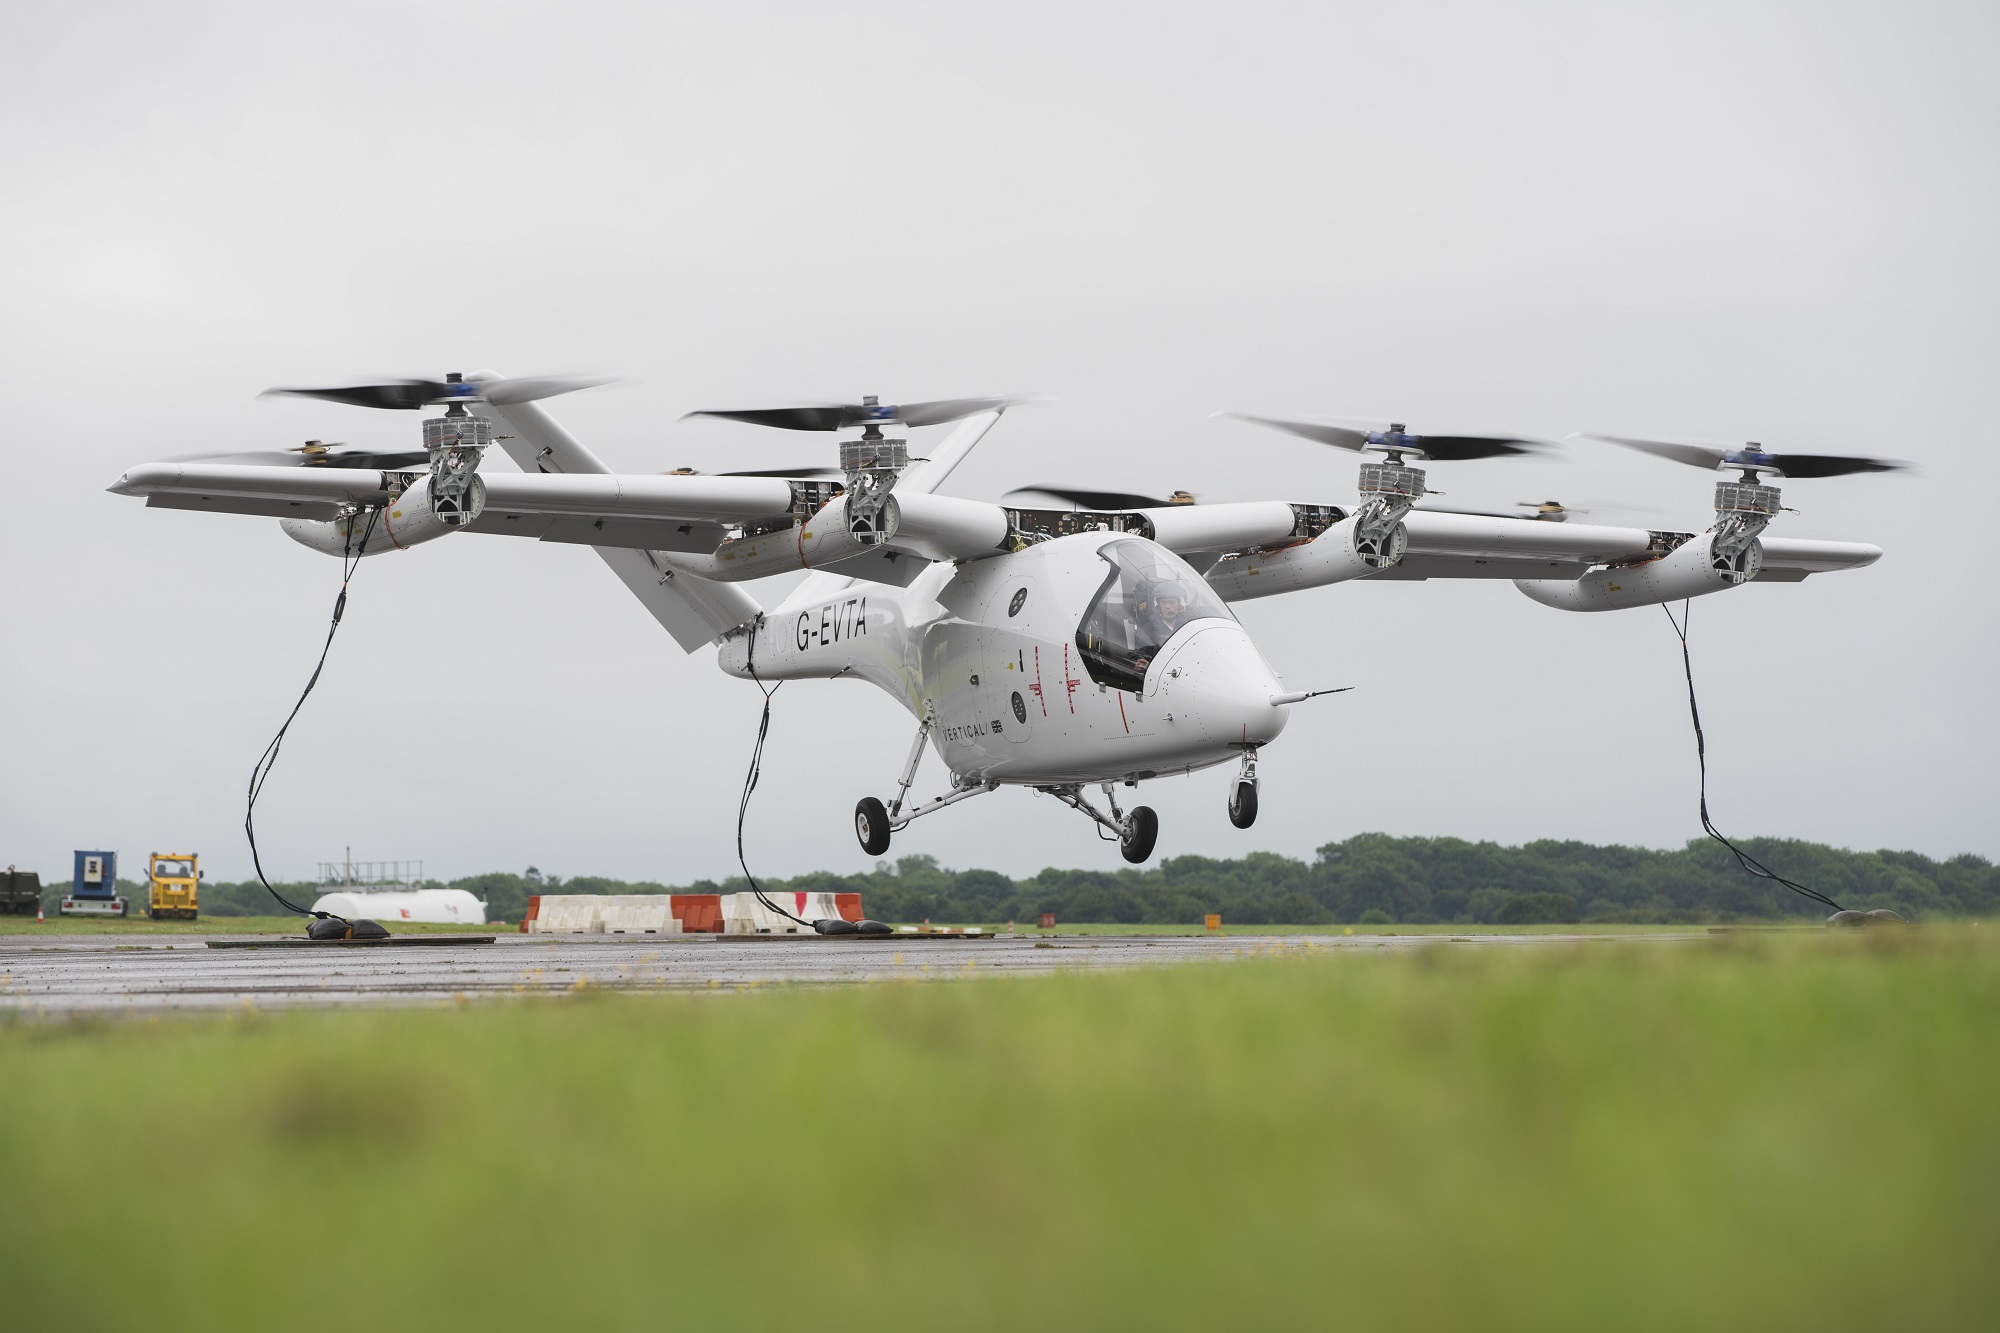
<point x="1136" y="831"/>
<point x="874" y="822"/>
<point x="1243" y="793"/>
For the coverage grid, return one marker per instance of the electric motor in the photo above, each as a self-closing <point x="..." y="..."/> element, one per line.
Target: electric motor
<point x="457" y="433"/>
<point x="1391" y="479"/>
<point x="1738" y="497"/>
<point x="876" y="455"/>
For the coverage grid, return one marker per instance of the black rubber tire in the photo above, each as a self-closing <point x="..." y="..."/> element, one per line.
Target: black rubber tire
<point x="1142" y="830"/>
<point x="871" y="825"/>
<point x="1243" y="805"/>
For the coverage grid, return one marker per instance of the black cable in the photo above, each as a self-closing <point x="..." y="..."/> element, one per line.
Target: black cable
<point x="750" y="779"/>
<point x="1743" y="858"/>
<point x="350" y="559"/>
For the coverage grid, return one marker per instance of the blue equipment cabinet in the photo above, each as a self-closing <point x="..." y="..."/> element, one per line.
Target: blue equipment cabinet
<point x="94" y="891"/>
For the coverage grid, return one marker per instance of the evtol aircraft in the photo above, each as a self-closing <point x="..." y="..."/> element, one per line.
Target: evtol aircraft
<point x="1059" y="649"/>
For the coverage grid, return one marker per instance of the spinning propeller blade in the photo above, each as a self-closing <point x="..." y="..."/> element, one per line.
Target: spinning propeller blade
<point x="1104" y="500"/>
<point x="410" y="395"/>
<point x="1752" y="455"/>
<point x="798" y="473"/>
<point x="314" y="454"/>
<point x="838" y="416"/>
<point x="1359" y="435"/>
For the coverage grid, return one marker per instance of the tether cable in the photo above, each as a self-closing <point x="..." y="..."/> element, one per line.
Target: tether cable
<point x="350" y="559"/>
<point x="756" y="770"/>
<point x="1743" y="858"/>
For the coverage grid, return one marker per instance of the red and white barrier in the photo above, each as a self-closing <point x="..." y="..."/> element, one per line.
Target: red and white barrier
<point x="681" y="913"/>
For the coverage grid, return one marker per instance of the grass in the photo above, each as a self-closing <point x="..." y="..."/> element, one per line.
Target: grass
<point x="1587" y="928"/>
<point x="1744" y="1131"/>
<point x="291" y="925"/>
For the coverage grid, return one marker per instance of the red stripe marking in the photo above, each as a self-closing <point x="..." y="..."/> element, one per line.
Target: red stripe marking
<point x="1037" y="686"/>
<point x="1121" y="714"/>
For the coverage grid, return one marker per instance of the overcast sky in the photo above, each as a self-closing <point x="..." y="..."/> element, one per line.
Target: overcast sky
<point x="1733" y="221"/>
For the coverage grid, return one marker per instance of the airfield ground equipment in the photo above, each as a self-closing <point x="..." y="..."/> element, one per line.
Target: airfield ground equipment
<point x="20" y="892"/>
<point x="173" y="883"/>
<point x="94" y="889"/>
<point x="1052" y="649"/>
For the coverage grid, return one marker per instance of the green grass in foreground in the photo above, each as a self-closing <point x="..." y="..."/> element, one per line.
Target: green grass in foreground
<point x="1587" y="928"/>
<point x="1750" y="1131"/>
<point x="291" y="925"/>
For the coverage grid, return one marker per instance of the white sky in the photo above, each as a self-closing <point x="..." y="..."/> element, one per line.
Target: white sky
<point x="1768" y="221"/>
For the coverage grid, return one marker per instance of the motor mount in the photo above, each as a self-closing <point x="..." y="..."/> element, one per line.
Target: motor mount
<point x="456" y="442"/>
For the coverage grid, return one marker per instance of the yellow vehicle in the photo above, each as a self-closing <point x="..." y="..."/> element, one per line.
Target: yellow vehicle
<point x="172" y="878"/>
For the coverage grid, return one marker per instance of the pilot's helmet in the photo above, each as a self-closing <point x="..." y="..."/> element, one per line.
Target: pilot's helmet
<point x="1151" y="595"/>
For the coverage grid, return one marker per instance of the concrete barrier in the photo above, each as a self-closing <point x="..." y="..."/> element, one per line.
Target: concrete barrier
<point x="570" y="914"/>
<point x="681" y="913"/>
<point x="640" y="914"/>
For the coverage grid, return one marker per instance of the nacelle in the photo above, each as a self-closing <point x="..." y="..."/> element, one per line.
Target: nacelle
<point x="1691" y="569"/>
<point x="1332" y="557"/>
<point x="407" y="520"/>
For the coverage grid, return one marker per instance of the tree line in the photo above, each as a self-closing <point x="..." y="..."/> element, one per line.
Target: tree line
<point x="1368" y="879"/>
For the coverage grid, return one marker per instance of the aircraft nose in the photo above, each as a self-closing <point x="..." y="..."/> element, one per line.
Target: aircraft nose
<point x="1224" y="684"/>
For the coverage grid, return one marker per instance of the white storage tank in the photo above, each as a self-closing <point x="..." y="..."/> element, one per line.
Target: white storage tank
<point x="454" y="906"/>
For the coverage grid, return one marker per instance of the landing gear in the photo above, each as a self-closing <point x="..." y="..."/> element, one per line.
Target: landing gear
<point x="874" y="822"/>
<point x="1243" y="794"/>
<point x="871" y="825"/>
<point x="1142" y="830"/>
<point x="1135" y="831"/>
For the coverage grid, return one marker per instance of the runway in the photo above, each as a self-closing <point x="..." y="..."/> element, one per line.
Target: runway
<point x="94" y="974"/>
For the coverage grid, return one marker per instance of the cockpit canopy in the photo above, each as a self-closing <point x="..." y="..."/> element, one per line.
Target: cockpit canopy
<point x="1148" y="593"/>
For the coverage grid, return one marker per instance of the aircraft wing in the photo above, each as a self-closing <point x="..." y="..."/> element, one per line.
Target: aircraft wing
<point x="1466" y="546"/>
<point x="590" y="496"/>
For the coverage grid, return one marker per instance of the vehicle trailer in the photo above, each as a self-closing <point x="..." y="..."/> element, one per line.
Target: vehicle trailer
<point x="94" y="891"/>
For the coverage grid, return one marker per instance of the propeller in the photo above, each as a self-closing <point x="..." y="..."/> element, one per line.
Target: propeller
<point x="1753" y="456"/>
<point x="314" y="453"/>
<point x="410" y="395"/>
<point x="867" y="412"/>
<point x="796" y="473"/>
<point x="1359" y="435"/>
<point x="1104" y="500"/>
<point x="1542" y="511"/>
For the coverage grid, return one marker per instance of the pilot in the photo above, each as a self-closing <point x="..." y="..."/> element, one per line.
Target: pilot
<point x="1162" y="610"/>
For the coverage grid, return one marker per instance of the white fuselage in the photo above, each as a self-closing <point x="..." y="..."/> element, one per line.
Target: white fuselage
<point x="989" y="650"/>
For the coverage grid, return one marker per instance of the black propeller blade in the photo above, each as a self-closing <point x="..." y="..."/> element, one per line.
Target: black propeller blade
<point x="1754" y="455"/>
<point x="839" y="416"/>
<point x="1104" y="500"/>
<point x="410" y="395"/>
<point x="1361" y="435"/>
<point x="1833" y="465"/>
<point x="798" y="473"/>
<point x="399" y="395"/>
<point x="315" y="454"/>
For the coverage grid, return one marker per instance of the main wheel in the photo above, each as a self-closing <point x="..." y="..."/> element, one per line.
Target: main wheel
<point x="1243" y="805"/>
<point x="871" y="825"/>
<point x="1142" y="830"/>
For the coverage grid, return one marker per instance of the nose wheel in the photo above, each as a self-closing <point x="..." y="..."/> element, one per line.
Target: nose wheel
<point x="1243" y="793"/>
